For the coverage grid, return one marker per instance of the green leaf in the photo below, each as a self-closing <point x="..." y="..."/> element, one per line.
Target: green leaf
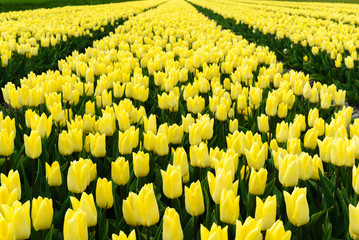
<point x="50" y="233"/>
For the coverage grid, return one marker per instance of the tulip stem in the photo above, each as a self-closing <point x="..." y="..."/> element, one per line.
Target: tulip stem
<point x="7" y="164"/>
<point x="41" y="234"/>
<point x="33" y="173"/>
<point x="336" y="184"/>
<point x="137" y="233"/>
<point x="194" y="227"/>
<point x="148" y="233"/>
<point x="299" y="233"/>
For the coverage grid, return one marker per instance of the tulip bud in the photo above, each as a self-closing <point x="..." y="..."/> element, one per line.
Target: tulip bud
<point x="257" y="181"/>
<point x="150" y="124"/>
<point x="194" y="199"/>
<point x="19" y="216"/>
<point x="277" y="232"/>
<point x="326" y="101"/>
<point x="340" y="98"/>
<point x="288" y="170"/>
<point x="195" y="134"/>
<point x="7" y="229"/>
<point x="282" y="132"/>
<point x="305" y="166"/>
<point x="310" y="138"/>
<point x="199" y="156"/>
<point x="312" y="116"/>
<point x="175" y="133"/>
<point x="7" y="197"/>
<point x="104" y="196"/>
<point x="75" y="225"/>
<point x="146" y="207"/>
<point x="120" y="171"/>
<point x="53" y="174"/>
<point x="122" y="236"/>
<point x="251" y="229"/>
<point x="171" y="225"/>
<point x="12" y="182"/>
<point x="33" y="147"/>
<point x="98" y="145"/>
<point x="42" y="213"/>
<point x="266" y="211"/>
<point x="6" y="142"/>
<point x="141" y="164"/>
<point x="229" y="207"/>
<point x="161" y="144"/>
<point x="180" y="160"/>
<point x="349" y="63"/>
<point x="187" y="122"/>
<point x="271" y="106"/>
<point x="223" y="180"/>
<point x="172" y="182"/>
<point x="263" y="125"/>
<point x="257" y="155"/>
<point x="78" y="176"/>
<point x="297" y="206"/>
<point x="294" y="146"/>
<point x="233" y="125"/>
<point x="86" y="204"/>
<point x="149" y="141"/>
<point x="216" y="232"/>
<point x="128" y="209"/>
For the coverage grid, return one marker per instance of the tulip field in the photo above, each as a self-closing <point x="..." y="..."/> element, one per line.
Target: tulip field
<point x="173" y="124"/>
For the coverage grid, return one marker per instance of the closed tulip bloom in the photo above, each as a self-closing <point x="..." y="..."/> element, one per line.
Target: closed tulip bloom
<point x="172" y="182"/>
<point x="104" y="196"/>
<point x="98" y="145"/>
<point x="326" y="101"/>
<point x="149" y="141"/>
<point x="7" y="197"/>
<point x="266" y="211"/>
<point x="12" y="182"/>
<point x="92" y="166"/>
<point x="90" y="108"/>
<point x="282" y="110"/>
<point x="319" y="125"/>
<point x="294" y="146"/>
<point x="263" y="125"/>
<point x="317" y="166"/>
<point x="349" y="63"/>
<point x="120" y="171"/>
<point x="128" y="209"/>
<point x="342" y="153"/>
<point x="233" y="125"/>
<point x="146" y="207"/>
<point x="86" y="204"/>
<point x="288" y="170"/>
<point x="221" y="113"/>
<point x="42" y="124"/>
<point x="187" y="122"/>
<point x="195" y="105"/>
<point x="257" y="181"/>
<point x="78" y="176"/>
<point x="6" y="142"/>
<point x="353" y="221"/>
<point x="206" y="127"/>
<point x="199" y="156"/>
<point x="65" y="143"/>
<point x="123" y="236"/>
<point x="161" y="144"/>
<point x="255" y="97"/>
<point x="7" y="231"/>
<point x="223" y="180"/>
<point x="216" y="232"/>
<point x="194" y="199"/>
<point x="310" y="138"/>
<point x="141" y="164"/>
<point x="19" y="215"/>
<point x="282" y="132"/>
<point x="297" y="206"/>
<point x="172" y="228"/>
<point x="271" y="106"/>
<point x="312" y="116"/>
<point x="175" y="133"/>
<point x="325" y="149"/>
<point x="195" y="134"/>
<point x="33" y="147"/>
<point x="257" y="155"/>
<point x="355" y="179"/>
<point x="75" y="225"/>
<point x="229" y="207"/>
<point x="76" y="139"/>
<point x="150" y="124"/>
<point x="42" y="213"/>
<point x="307" y="91"/>
<point x="340" y="98"/>
<point x="180" y="160"/>
<point x="250" y="229"/>
<point x="277" y="232"/>
<point x="53" y="174"/>
<point x="305" y="165"/>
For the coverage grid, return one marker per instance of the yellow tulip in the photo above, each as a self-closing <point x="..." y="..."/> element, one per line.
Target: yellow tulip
<point x="122" y="236"/>
<point x="355" y="179"/>
<point x="146" y="208"/>
<point x="340" y="98"/>
<point x="199" y="156"/>
<point x="120" y="171"/>
<point x="195" y="134"/>
<point x="86" y="204"/>
<point x="33" y="147"/>
<point x="172" y="182"/>
<point x="90" y="108"/>
<point x="266" y="211"/>
<point x="107" y="124"/>
<point x="149" y="141"/>
<point x="78" y="176"/>
<point x="310" y="138"/>
<point x="325" y="147"/>
<point x="128" y="209"/>
<point x="305" y="166"/>
<point x="317" y="166"/>
<point x="282" y="132"/>
<point x="282" y="110"/>
<point x="233" y="125"/>
<point x="104" y="196"/>
<point x="263" y="125"/>
<point x="175" y="134"/>
<point x="353" y="221"/>
<point x="7" y="197"/>
<point x="161" y="144"/>
<point x="187" y="122"/>
<point x="42" y="124"/>
<point x="223" y="180"/>
<point x="171" y="225"/>
<point x="271" y="105"/>
<point x="141" y="164"/>
<point x="75" y="225"/>
<point x="250" y="229"/>
<point x="12" y="182"/>
<point x="326" y="101"/>
<point x="257" y="181"/>
<point x="229" y="207"/>
<point x="277" y="232"/>
<point x="216" y="232"/>
<point x="6" y="142"/>
<point x="150" y="124"/>
<point x="98" y="145"/>
<point x="297" y="206"/>
<point x="288" y="170"/>
<point x="180" y="160"/>
<point x="19" y="215"/>
<point x="195" y="105"/>
<point x="194" y="199"/>
<point x="53" y="174"/>
<point x="65" y="143"/>
<point x="7" y="231"/>
<point x="294" y="146"/>
<point x="42" y="213"/>
<point x="349" y="63"/>
<point x="312" y="116"/>
<point x="256" y="155"/>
